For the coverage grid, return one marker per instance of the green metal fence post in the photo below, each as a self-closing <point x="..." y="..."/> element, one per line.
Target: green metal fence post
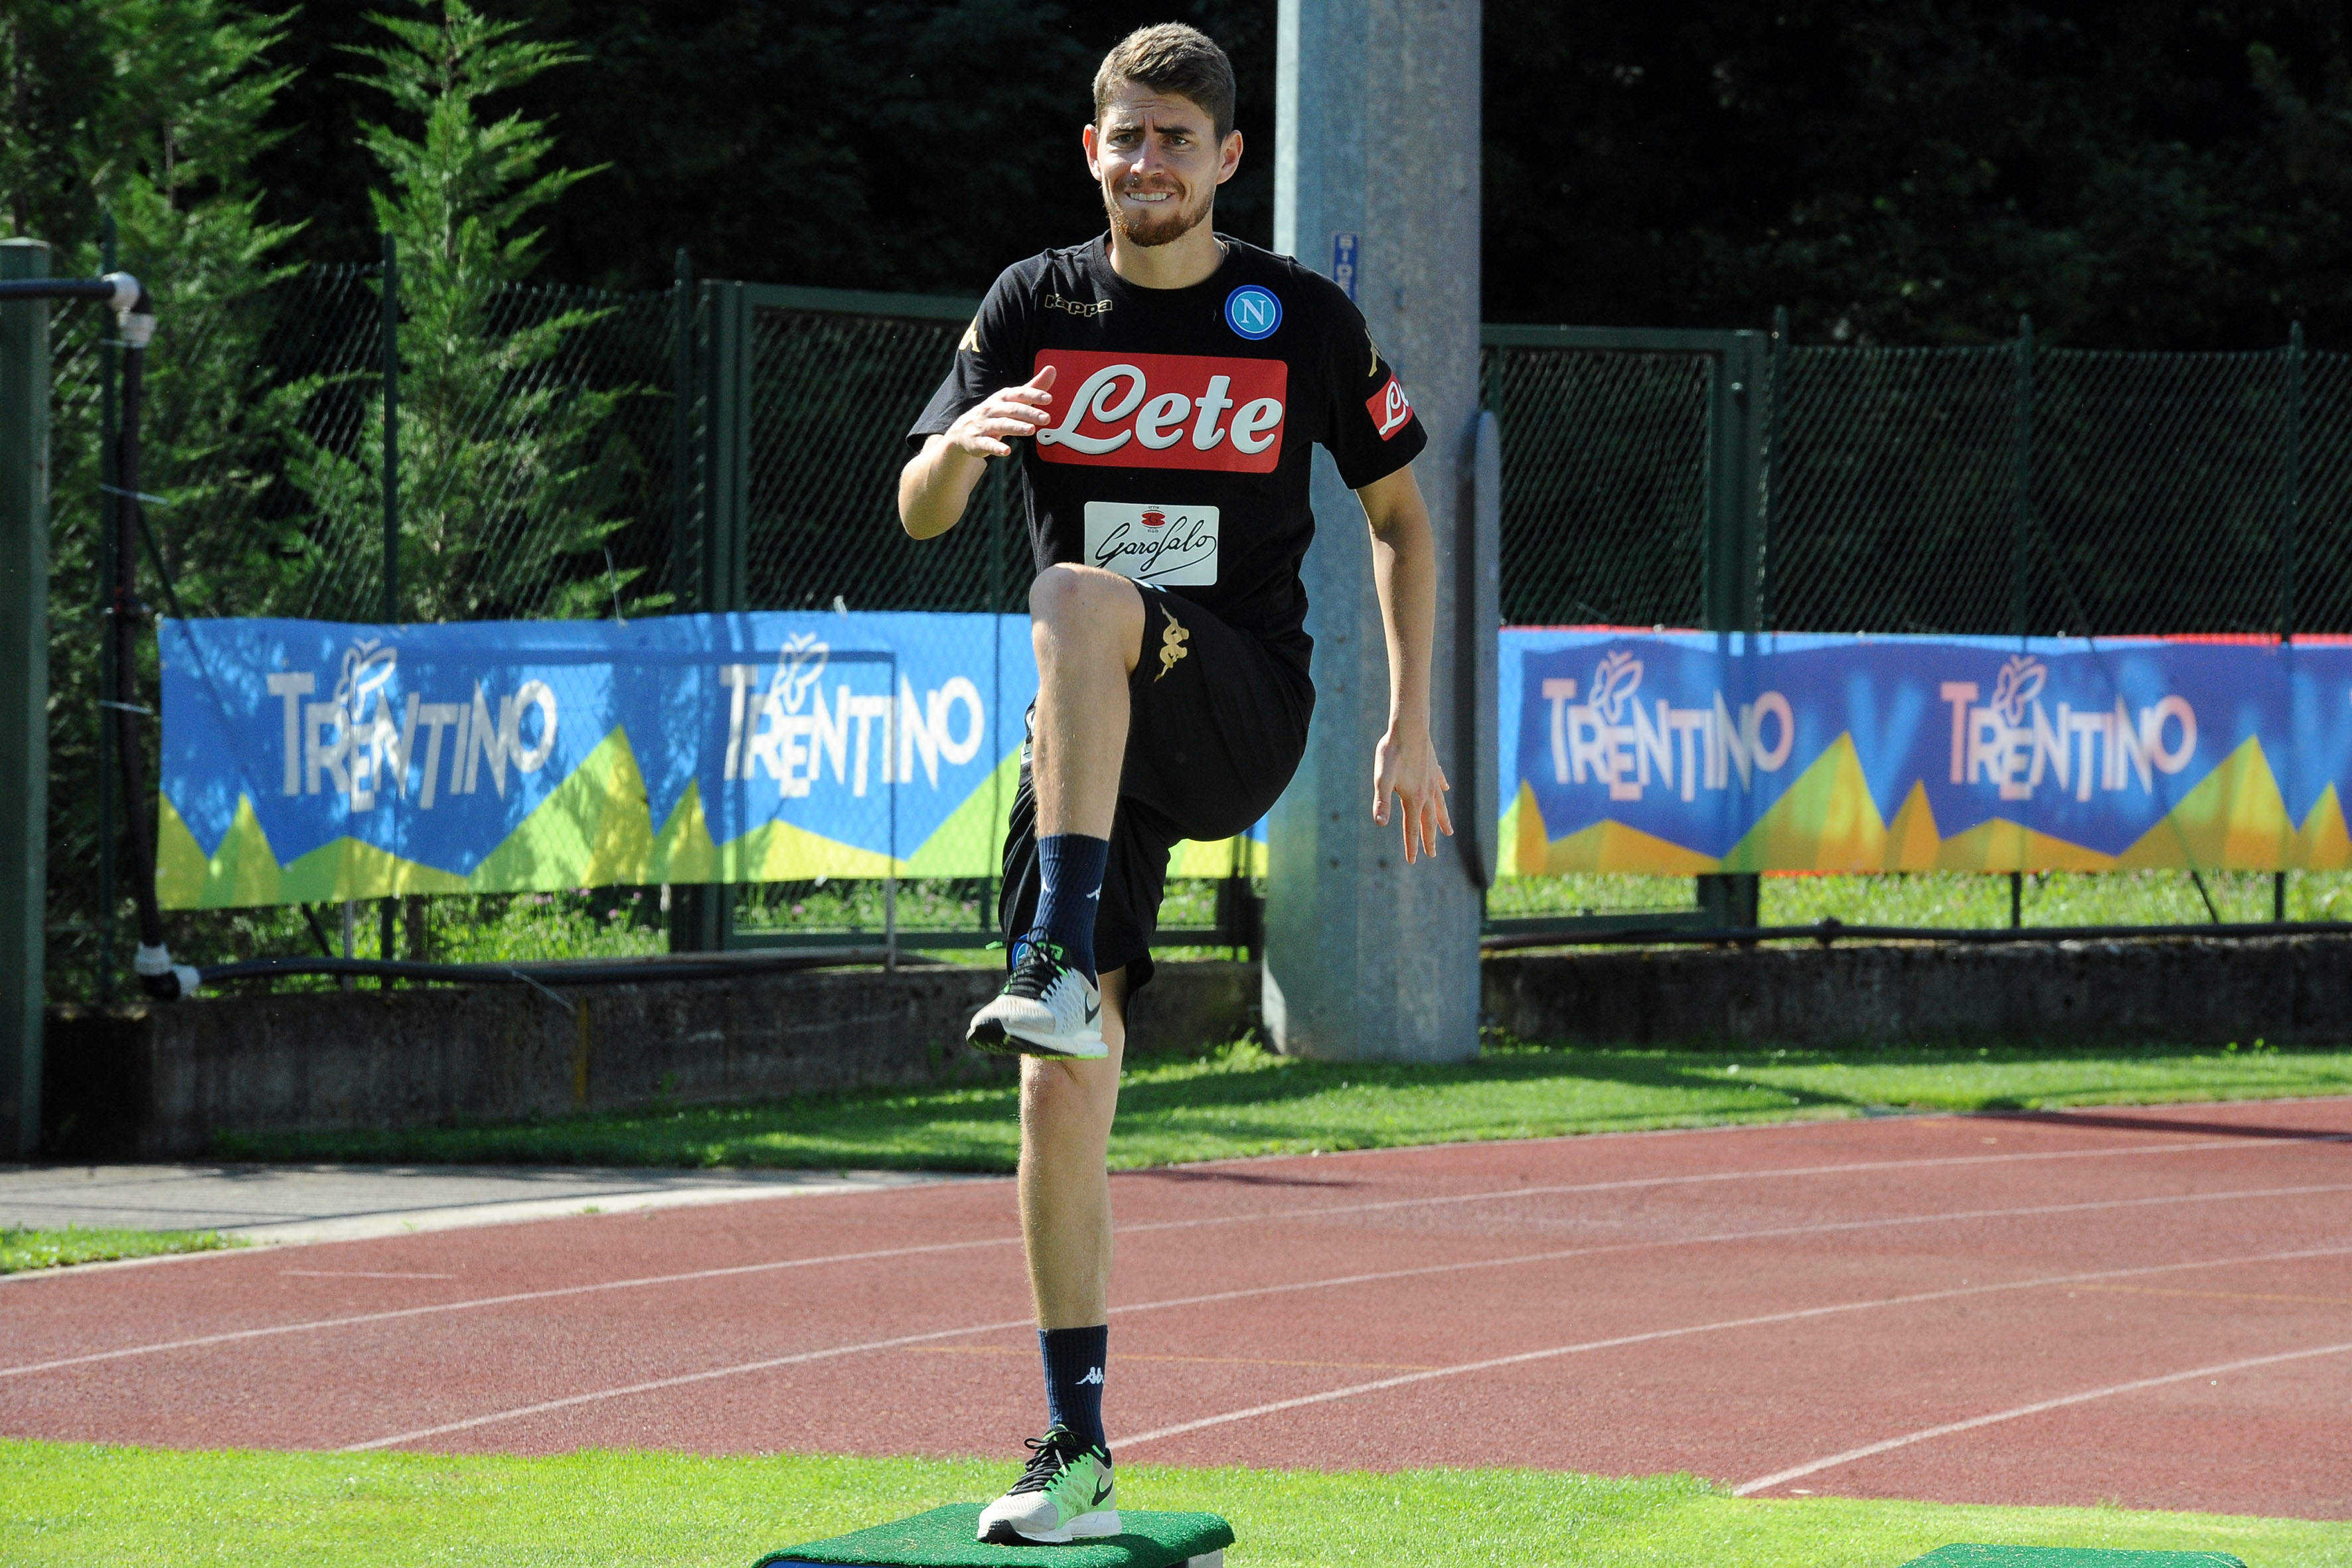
<point x="108" y="888"/>
<point x="2021" y="530"/>
<point x="681" y="478"/>
<point x="24" y="693"/>
<point x="1734" y="556"/>
<point x="388" y="912"/>
<point x="702" y="918"/>
<point x="2024" y="514"/>
<point x="2290" y="525"/>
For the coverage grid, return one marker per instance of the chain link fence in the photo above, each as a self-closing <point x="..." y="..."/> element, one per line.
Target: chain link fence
<point x="833" y="395"/>
<point x="1973" y="491"/>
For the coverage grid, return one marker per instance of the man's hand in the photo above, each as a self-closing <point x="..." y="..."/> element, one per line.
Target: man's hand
<point x="1404" y="765"/>
<point x="989" y="429"/>
<point x="937" y="483"/>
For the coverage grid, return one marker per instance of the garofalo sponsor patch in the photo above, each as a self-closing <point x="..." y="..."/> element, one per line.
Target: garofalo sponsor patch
<point x="1175" y="546"/>
<point x="1165" y="411"/>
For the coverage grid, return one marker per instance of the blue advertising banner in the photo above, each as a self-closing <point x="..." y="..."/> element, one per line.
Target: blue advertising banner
<point x="310" y="762"/>
<point x="1685" y="752"/>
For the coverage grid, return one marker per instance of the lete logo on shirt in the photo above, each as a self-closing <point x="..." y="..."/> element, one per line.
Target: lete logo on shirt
<point x="1165" y="411"/>
<point x="1389" y="408"/>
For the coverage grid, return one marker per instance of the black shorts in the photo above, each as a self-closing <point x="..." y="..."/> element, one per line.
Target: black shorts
<point x="1217" y="724"/>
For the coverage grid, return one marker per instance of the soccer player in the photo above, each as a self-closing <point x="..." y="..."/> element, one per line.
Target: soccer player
<point x="1162" y="386"/>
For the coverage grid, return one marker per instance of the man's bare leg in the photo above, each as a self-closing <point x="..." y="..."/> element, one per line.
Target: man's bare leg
<point x="1065" y="1116"/>
<point x="1086" y="626"/>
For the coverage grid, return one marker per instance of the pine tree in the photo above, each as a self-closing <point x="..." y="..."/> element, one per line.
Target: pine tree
<point x="507" y="480"/>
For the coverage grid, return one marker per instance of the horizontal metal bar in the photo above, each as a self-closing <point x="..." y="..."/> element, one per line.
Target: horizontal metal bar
<point x="1826" y="932"/>
<point x="935" y="940"/>
<point x="57" y="288"/>
<point x="1631" y="920"/>
<point x="860" y="302"/>
<point x="819" y="941"/>
<point x="1614" y="340"/>
<point x="553" y="972"/>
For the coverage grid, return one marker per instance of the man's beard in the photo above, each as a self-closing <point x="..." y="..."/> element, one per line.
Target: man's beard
<point x="1150" y="230"/>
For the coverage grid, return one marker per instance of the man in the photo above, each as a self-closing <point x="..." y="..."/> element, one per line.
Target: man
<point x="1163" y="386"/>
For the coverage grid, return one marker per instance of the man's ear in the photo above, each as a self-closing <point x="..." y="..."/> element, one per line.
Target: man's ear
<point x="1229" y="156"/>
<point x="1087" y="139"/>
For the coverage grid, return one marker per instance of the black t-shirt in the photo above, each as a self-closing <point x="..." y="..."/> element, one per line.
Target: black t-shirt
<point x="1179" y="439"/>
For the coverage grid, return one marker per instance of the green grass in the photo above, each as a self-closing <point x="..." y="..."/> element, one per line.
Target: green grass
<point x="63" y="1504"/>
<point x="23" y="1249"/>
<point x="1957" y="899"/>
<point x="1242" y="1100"/>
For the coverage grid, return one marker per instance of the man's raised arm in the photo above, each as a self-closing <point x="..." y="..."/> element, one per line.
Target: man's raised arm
<point x="936" y="485"/>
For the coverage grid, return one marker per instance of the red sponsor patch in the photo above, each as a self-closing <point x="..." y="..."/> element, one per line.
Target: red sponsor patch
<point x="1164" y="411"/>
<point x="1391" y="410"/>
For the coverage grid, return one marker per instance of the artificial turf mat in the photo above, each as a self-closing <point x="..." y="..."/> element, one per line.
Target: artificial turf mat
<point x="943" y="1538"/>
<point x="1969" y="1556"/>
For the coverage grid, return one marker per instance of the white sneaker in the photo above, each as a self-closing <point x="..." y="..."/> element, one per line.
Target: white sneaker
<point x="1048" y="1008"/>
<point x="1064" y="1493"/>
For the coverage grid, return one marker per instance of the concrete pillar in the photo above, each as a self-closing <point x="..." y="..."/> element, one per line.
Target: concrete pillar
<point x="1376" y="168"/>
<point x="24" y="693"/>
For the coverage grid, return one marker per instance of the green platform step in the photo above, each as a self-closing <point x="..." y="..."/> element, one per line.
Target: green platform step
<point x="943" y="1539"/>
<point x="1970" y="1556"/>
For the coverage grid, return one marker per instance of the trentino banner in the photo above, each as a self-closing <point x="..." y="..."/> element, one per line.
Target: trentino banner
<point x="1685" y="752"/>
<point x="311" y="762"/>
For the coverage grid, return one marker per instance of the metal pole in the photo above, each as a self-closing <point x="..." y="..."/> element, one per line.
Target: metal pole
<point x="2288" y="533"/>
<point x="2019" y="532"/>
<point x="110" y="892"/>
<point x="1365" y="957"/>
<point x="24" y="693"/>
<point x="387" y="916"/>
<point x="681" y="479"/>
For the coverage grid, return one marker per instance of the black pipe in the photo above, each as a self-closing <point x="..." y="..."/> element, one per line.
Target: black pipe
<point x="158" y="975"/>
<point x="560" y="972"/>
<point x="1828" y="932"/>
<point x="105" y="288"/>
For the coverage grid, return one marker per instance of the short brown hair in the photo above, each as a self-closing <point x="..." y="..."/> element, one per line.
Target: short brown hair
<point x="1171" y="58"/>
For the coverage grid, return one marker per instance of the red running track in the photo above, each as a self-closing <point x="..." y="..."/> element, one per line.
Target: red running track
<point x="2151" y="1307"/>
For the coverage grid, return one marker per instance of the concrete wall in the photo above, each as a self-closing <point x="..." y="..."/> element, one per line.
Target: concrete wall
<point x="161" y="1081"/>
<point x="150" y="1082"/>
<point x="2288" y="990"/>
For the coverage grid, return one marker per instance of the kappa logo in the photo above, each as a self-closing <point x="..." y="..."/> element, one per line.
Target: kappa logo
<point x="1094" y="1376"/>
<point x="1253" y="312"/>
<point x="1084" y="309"/>
<point x="1166" y="411"/>
<point x="1172" y="645"/>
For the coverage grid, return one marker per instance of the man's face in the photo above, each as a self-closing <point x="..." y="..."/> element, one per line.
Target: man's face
<point x="1158" y="162"/>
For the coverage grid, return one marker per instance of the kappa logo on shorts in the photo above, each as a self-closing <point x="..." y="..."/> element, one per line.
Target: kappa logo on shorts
<point x="1172" y="645"/>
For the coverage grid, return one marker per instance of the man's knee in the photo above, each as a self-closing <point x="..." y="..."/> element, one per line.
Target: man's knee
<point x="1065" y="1098"/>
<point x="1072" y="598"/>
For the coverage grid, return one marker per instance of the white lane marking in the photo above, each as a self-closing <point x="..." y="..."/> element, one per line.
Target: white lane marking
<point x="358" y="1274"/>
<point x="1309" y="1212"/>
<point x="1798" y="1314"/>
<point x="1344" y="1281"/>
<point x="475" y="1303"/>
<point x="680" y="1380"/>
<point x="1762" y="1483"/>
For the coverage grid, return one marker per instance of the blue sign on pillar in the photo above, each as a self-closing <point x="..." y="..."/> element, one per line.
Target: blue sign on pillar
<point x="1343" y="262"/>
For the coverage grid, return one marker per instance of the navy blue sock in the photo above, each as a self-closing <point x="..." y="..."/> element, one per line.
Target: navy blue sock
<point x="1074" y="1379"/>
<point x="1070" y="876"/>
